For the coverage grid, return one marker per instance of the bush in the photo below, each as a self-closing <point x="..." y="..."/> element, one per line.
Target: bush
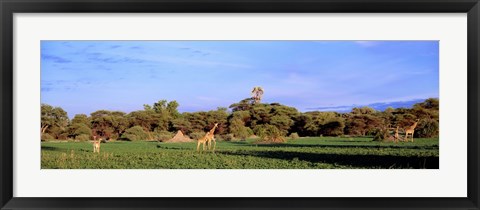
<point x="228" y="137"/>
<point x="46" y="137"/>
<point x="135" y="133"/>
<point x="82" y="137"/>
<point x="197" y="135"/>
<point x="294" y="135"/>
<point x="238" y="129"/>
<point x="82" y="129"/>
<point x="162" y="135"/>
<point x="269" y="133"/>
<point x="427" y="128"/>
<point x="62" y="136"/>
<point x="113" y="137"/>
<point x="380" y="134"/>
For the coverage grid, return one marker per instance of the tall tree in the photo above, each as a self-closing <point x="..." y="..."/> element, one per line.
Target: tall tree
<point x="54" y="119"/>
<point x="257" y="94"/>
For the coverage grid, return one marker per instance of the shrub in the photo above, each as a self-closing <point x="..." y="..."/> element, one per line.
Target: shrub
<point x="269" y="133"/>
<point x="62" y="136"/>
<point x="82" y="129"/>
<point x="294" y="135"/>
<point x="113" y="137"/>
<point x="427" y="128"/>
<point x="238" y="129"/>
<point x="82" y="137"/>
<point x="197" y="135"/>
<point x="46" y="137"/>
<point x="380" y="135"/>
<point x="135" y="133"/>
<point x="162" y="135"/>
<point x="228" y="137"/>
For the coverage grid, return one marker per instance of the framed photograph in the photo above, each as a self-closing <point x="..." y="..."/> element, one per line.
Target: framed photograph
<point x="239" y="104"/>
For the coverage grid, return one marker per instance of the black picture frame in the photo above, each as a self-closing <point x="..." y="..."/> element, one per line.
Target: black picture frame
<point x="10" y="7"/>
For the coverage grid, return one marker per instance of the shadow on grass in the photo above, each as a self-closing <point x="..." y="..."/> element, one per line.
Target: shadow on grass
<point x="360" y="161"/>
<point x="342" y="146"/>
<point x="48" y="148"/>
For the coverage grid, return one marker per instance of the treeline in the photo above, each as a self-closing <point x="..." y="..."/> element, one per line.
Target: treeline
<point x="271" y="122"/>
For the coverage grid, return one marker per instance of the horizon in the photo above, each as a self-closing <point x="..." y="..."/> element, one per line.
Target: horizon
<point x="86" y="76"/>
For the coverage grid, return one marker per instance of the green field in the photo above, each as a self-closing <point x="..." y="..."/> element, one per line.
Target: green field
<point x="303" y="153"/>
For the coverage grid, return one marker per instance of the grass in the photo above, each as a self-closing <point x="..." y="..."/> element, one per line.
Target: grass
<point x="303" y="153"/>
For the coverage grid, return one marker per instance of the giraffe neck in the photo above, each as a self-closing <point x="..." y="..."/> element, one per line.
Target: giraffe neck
<point x="414" y="125"/>
<point x="212" y="130"/>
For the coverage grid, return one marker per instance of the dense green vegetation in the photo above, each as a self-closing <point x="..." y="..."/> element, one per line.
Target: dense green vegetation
<point x="272" y="122"/>
<point x="301" y="153"/>
<point x="251" y="135"/>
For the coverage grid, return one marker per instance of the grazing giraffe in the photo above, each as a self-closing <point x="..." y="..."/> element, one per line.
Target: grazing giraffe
<point x="96" y="144"/>
<point x="211" y="136"/>
<point x="410" y="130"/>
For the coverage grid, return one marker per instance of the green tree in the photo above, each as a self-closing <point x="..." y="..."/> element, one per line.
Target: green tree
<point x="81" y="119"/>
<point x="109" y="124"/>
<point x="238" y="129"/>
<point x="182" y="124"/>
<point x="54" y="120"/>
<point x="257" y="94"/>
<point x="135" y="133"/>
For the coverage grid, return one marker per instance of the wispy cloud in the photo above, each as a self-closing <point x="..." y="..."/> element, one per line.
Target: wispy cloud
<point x="55" y="59"/>
<point x="203" y="74"/>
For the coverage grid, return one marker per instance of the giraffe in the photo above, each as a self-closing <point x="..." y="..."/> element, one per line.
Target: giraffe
<point x="96" y="144"/>
<point x="396" y="137"/>
<point x="207" y="139"/>
<point x="203" y="141"/>
<point x="410" y="130"/>
<point x="211" y="136"/>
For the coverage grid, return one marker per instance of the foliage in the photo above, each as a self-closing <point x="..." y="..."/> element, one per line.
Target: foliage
<point x="269" y="133"/>
<point x="82" y="137"/>
<point x="81" y="129"/>
<point x="135" y="133"/>
<point x="427" y="128"/>
<point x="81" y="119"/>
<point x="238" y="129"/>
<point x="245" y="116"/>
<point x="162" y="135"/>
<point x="46" y="137"/>
<point x="380" y="134"/>
<point x="294" y="136"/>
<point x="197" y="135"/>
<point x="54" y="121"/>
<point x="228" y="137"/>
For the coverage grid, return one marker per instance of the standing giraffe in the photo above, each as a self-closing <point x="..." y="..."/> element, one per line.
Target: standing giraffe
<point x="96" y="144"/>
<point x="211" y="136"/>
<point x="410" y="130"/>
<point x="207" y="139"/>
<point x="396" y="137"/>
<point x="203" y="141"/>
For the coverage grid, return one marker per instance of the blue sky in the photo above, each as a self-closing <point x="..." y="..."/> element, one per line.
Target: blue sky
<point x="85" y="76"/>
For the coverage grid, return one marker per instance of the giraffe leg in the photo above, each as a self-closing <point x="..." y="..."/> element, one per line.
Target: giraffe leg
<point x="412" y="135"/>
<point x="198" y="146"/>
<point x="214" y="144"/>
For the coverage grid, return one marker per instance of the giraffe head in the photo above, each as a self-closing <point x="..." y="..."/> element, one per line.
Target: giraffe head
<point x="216" y="124"/>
